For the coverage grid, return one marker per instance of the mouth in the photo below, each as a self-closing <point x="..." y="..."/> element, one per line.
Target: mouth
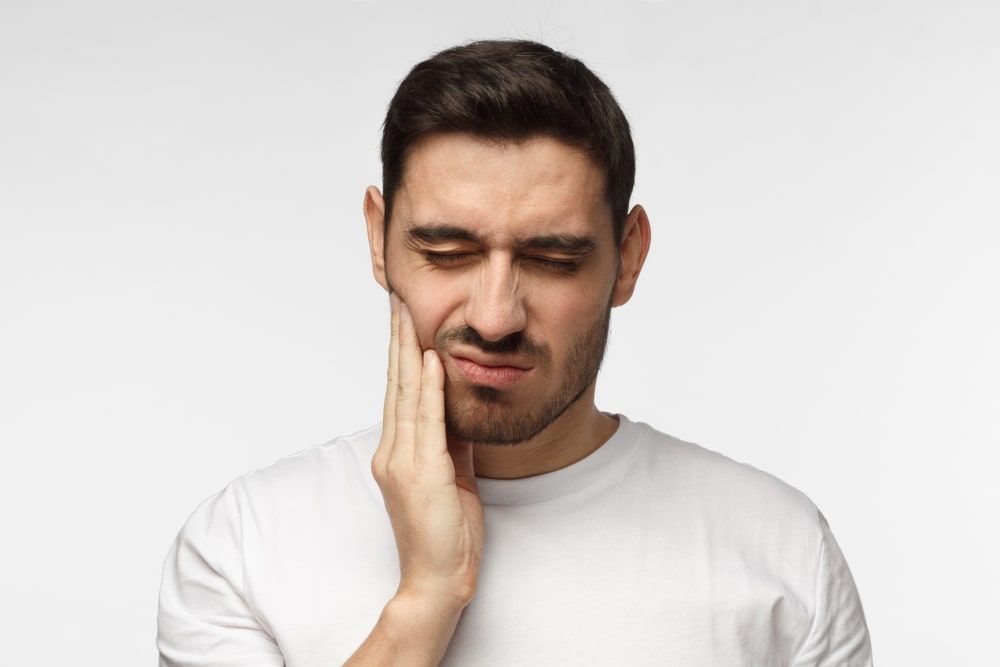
<point x="494" y="376"/>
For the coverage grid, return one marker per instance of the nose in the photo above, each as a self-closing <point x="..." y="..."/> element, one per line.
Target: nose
<point x="495" y="308"/>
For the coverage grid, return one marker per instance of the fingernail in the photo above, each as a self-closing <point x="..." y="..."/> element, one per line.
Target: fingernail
<point x="393" y="301"/>
<point x="404" y="312"/>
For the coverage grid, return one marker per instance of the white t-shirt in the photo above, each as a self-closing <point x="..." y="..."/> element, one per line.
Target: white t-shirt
<point x="649" y="551"/>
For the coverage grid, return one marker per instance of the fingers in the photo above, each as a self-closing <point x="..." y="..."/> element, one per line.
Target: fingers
<point x="408" y="387"/>
<point x="392" y="375"/>
<point x="430" y="415"/>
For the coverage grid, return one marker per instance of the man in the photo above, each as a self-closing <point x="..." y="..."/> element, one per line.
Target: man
<point x="495" y="516"/>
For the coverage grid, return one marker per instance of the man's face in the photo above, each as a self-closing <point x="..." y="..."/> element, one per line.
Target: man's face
<point x="504" y="291"/>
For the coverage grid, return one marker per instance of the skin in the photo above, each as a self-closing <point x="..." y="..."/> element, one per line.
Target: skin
<point x="500" y="298"/>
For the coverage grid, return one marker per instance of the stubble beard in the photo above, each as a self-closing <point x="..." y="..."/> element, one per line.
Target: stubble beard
<point x="487" y="416"/>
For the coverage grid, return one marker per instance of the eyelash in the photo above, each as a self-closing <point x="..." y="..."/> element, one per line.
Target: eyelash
<point x="440" y="258"/>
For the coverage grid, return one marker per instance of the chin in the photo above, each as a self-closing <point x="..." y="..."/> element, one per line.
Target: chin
<point x="489" y="422"/>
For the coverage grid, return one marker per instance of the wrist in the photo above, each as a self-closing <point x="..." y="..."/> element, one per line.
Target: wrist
<point x="421" y="603"/>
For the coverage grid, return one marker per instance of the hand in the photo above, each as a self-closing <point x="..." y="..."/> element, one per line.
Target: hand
<point x="429" y="490"/>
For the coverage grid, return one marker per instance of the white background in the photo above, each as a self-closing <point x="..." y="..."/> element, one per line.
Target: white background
<point x="186" y="294"/>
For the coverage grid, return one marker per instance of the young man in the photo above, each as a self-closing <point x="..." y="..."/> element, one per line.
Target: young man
<point x="495" y="516"/>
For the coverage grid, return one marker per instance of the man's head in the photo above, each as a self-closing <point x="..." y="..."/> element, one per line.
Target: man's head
<point x="515" y="163"/>
<point x="508" y="91"/>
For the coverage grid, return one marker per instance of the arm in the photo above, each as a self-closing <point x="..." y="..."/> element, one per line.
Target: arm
<point x="839" y="632"/>
<point x="433" y="504"/>
<point x="411" y="631"/>
<point x="204" y="618"/>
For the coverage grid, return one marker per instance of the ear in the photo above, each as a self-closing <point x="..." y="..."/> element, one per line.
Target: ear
<point x="635" y="245"/>
<point x="374" y="208"/>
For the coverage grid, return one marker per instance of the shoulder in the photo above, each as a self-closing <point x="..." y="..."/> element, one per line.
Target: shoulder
<point x="733" y="495"/>
<point x="748" y="521"/>
<point x="343" y="455"/>
<point x="319" y="473"/>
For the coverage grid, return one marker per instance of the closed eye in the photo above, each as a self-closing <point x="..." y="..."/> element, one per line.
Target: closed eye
<point x="441" y="258"/>
<point x="452" y="258"/>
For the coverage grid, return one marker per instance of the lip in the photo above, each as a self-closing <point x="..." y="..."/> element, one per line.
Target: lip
<point x="496" y="376"/>
<point x="491" y="362"/>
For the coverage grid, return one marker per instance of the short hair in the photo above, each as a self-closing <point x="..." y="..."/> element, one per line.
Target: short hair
<point x="510" y="90"/>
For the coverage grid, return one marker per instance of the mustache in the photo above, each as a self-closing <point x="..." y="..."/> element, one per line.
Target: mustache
<point x="514" y="344"/>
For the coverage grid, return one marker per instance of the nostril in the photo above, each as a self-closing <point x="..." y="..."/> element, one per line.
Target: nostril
<point x="496" y="324"/>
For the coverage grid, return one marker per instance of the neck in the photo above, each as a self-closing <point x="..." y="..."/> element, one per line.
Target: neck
<point x="574" y="435"/>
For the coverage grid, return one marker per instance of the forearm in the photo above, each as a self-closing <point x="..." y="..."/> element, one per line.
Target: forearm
<point x="411" y="632"/>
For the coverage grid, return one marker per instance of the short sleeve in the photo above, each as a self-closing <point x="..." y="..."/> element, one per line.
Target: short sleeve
<point x="204" y="619"/>
<point x="839" y="632"/>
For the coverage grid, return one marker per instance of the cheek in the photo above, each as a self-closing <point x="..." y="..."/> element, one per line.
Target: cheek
<point x="569" y="305"/>
<point x="431" y="311"/>
<point x="558" y="320"/>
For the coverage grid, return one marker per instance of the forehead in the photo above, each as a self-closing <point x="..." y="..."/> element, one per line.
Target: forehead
<point x="503" y="191"/>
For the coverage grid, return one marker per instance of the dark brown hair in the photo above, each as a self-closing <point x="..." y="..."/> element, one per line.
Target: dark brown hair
<point x="509" y="90"/>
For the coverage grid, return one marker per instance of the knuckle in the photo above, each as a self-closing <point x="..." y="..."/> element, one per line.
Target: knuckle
<point x="397" y="473"/>
<point x="427" y="419"/>
<point x="404" y="391"/>
<point x="378" y="465"/>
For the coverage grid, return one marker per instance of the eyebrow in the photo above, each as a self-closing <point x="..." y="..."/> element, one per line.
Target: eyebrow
<point x="571" y="244"/>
